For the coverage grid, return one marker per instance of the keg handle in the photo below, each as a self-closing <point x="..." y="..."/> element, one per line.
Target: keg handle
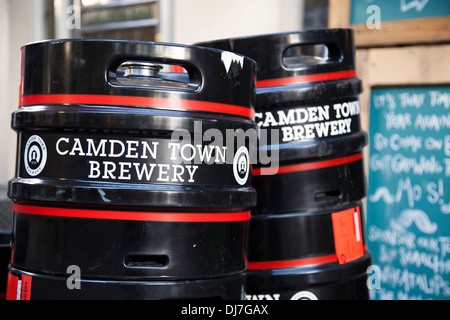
<point x="301" y="55"/>
<point x="325" y="50"/>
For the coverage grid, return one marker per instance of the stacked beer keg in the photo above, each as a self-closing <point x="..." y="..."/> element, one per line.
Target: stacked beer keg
<point x="306" y="238"/>
<point x="119" y="192"/>
<point x="134" y="182"/>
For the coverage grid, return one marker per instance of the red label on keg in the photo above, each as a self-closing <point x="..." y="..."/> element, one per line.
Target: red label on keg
<point x="11" y="291"/>
<point x="348" y="239"/>
<point x="19" y="288"/>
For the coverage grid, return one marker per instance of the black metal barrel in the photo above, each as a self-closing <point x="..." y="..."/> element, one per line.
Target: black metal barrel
<point x="307" y="108"/>
<point x="135" y="175"/>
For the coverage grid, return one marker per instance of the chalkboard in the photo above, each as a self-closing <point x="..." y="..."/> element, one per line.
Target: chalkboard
<point x="391" y="10"/>
<point x="408" y="201"/>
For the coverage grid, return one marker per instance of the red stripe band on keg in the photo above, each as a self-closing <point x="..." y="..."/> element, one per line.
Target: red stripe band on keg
<point x="260" y="265"/>
<point x="280" y="264"/>
<point x="133" y="215"/>
<point x="307" y="166"/>
<point x="162" y="103"/>
<point x="306" y="78"/>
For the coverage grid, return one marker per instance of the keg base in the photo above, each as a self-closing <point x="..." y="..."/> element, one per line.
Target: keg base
<point x="329" y="281"/>
<point x="33" y="286"/>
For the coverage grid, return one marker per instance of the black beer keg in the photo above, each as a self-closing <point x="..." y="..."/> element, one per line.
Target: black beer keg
<point x="307" y="108"/>
<point x="135" y="176"/>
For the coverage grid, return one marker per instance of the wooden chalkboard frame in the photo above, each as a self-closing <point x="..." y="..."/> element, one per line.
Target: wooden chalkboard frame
<point x="399" y="66"/>
<point x="401" y="32"/>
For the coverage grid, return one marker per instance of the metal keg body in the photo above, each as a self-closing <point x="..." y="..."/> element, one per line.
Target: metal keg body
<point x="307" y="91"/>
<point x="130" y="189"/>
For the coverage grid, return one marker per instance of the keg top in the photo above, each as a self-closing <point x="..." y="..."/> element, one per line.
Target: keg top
<point x="294" y="57"/>
<point x="137" y="73"/>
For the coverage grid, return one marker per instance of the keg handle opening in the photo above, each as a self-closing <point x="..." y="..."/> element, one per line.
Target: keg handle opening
<point x="154" y="75"/>
<point x="298" y="56"/>
<point x="146" y="261"/>
<point x="329" y="195"/>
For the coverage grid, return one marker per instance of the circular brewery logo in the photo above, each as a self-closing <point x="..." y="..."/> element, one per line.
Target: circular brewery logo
<point x="304" y="295"/>
<point x="241" y="165"/>
<point x="35" y="155"/>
